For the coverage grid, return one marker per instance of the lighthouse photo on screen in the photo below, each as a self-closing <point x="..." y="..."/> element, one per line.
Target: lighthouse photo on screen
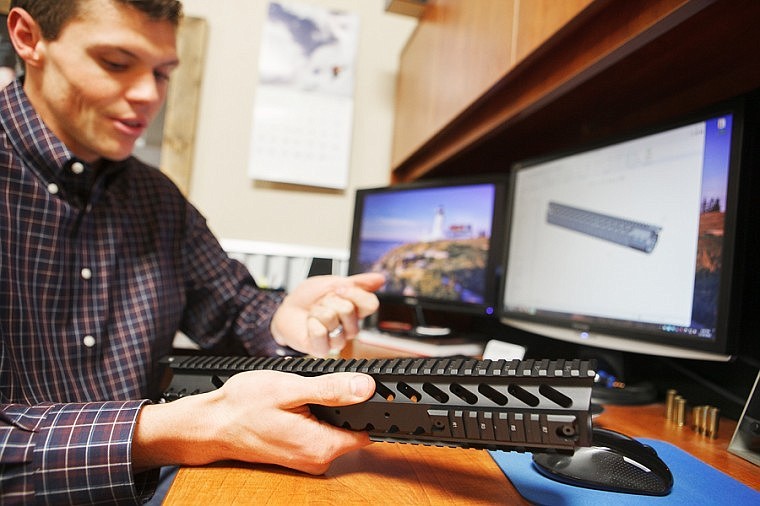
<point x="429" y="242"/>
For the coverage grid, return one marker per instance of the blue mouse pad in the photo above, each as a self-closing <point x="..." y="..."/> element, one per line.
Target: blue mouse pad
<point x="694" y="482"/>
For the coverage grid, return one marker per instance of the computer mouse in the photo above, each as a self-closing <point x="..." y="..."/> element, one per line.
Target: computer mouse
<point x="613" y="462"/>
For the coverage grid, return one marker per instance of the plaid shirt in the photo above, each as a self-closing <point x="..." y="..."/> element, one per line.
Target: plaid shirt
<point x="98" y="270"/>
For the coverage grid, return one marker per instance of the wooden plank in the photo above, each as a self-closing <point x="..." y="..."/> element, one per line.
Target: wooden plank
<point x="458" y="50"/>
<point x="177" y="148"/>
<point x="538" y="20"/>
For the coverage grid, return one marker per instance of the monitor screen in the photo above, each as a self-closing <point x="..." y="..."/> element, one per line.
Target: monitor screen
<point x="630" y="245"/>
<point x="436" y="242"/>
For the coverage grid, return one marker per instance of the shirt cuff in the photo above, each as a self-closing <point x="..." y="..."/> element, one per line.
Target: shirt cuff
<point x="83" y="454"/>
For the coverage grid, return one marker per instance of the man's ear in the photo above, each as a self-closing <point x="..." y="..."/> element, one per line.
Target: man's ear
<point x="25" y="34"/>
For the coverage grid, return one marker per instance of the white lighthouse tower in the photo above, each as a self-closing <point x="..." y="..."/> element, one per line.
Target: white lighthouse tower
<point x="437" y="232"/>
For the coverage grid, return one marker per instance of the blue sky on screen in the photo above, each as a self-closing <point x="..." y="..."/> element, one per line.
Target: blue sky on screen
<point x="717" y="157"/>
<point x="408" y="215"/>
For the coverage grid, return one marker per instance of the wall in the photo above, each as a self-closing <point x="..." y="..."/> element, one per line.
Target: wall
<point x="239" y="208"/>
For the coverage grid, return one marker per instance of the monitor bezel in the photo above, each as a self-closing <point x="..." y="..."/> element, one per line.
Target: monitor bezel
<point x="618" y="337"/>
<point x="490" y="306"/>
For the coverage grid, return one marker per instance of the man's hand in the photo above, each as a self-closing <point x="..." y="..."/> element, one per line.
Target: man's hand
<point x="258" y="416"/>
<point x="323" y="312"/>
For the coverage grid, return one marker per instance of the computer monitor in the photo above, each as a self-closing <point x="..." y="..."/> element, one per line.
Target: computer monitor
<point x="631" y="245"/>
<point x="438" y="243"/>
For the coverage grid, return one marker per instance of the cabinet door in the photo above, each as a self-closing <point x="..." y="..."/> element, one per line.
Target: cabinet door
<point x="459" y="50"/>
<point x="537" y="20"/>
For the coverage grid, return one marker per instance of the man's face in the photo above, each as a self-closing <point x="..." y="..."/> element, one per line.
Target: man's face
<point x="102" y="81"/>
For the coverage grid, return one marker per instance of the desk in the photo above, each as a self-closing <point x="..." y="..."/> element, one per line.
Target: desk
<point x="399" y="474"/>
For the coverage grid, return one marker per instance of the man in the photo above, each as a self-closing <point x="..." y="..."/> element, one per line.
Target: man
<point x="102" y="261"/>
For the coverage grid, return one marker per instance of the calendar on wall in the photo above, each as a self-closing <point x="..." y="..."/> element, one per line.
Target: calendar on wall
<point x="303" y="109"/>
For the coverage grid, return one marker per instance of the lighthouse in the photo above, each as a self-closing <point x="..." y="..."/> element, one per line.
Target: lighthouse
<point x="437" y="232"/>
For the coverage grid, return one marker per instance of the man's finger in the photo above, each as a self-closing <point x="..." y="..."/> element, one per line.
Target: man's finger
<point x="368" y="280"/>
<point x="336" y="389"/>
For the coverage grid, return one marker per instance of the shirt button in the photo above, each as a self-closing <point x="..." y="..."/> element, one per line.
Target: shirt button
<point x="52" y="188"/>
<point x="86" y="273"/>
<point x="88" y="341"/>
<point x="77" y="167"/>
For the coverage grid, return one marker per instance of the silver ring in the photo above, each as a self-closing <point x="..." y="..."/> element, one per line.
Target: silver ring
<point x="335" y="332"/>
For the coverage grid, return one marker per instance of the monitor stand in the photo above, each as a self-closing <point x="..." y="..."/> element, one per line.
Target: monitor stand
<point x="430" y="331"/>
<point x="416" y="336"/>
<point x="636" y="394"/>
<point x="421" y="328"/>
<point x="610" y="386"/>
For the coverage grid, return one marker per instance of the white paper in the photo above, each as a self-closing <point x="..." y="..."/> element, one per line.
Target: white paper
<point x="303" y="110"/>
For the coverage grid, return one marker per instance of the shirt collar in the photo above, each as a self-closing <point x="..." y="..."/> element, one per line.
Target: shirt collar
<point x="40" y="148"/>
<point x="31" y="138"/>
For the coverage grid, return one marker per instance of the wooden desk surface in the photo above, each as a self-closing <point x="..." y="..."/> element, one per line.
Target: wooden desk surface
<point x="390" y="473"/>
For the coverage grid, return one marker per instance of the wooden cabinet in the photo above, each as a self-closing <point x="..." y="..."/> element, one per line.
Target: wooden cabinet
<point x="484" y="83"/>
<point x="460" y="50"/>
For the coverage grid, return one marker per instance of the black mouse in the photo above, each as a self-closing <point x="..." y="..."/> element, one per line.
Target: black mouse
<point x="614" y="462"/>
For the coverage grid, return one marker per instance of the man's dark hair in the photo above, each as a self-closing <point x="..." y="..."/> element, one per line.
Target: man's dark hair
<point x="51" y="15"/>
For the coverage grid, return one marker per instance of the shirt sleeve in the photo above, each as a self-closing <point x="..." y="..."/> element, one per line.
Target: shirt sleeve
<point x="224" y="308"/>
<point x="71" y="454"/>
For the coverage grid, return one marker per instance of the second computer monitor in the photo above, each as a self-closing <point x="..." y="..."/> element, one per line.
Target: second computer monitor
<point x="438" y="243"/>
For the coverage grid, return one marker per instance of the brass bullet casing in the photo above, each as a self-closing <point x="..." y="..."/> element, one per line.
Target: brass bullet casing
<point x="703" y="421"/>
<point x="697" y="417"/>
<point x="670" y="404"/>
<point x="680" y="417"/>
<point x="713" y="419"/>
